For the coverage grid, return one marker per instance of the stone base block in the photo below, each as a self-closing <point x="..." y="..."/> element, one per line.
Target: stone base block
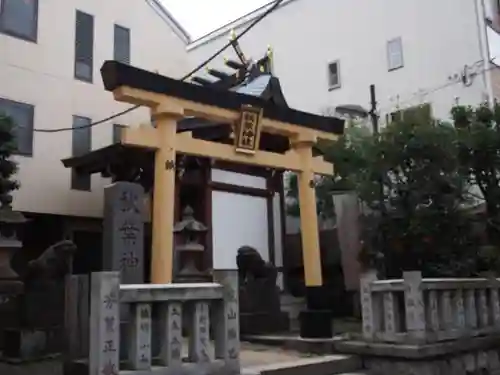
<point x="259" y="323"/>
<point x="316" y="324"/>
<point x="471" y="356"/>
<point x="30" y="345"/>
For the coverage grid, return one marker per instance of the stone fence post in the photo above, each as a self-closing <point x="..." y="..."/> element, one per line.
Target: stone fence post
<point x="227" y="327"/>
<point x="414" y="305"/>
<point x="370" y="310"/>
<point x="104" y="323"/>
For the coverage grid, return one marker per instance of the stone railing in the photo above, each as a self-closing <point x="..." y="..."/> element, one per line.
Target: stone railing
<point x="417" y="310"/>
<point x="199" y="301"/>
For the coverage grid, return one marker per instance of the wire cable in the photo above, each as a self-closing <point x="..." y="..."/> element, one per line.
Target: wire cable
<point x="438" y="88"/>
<point x="195" y="70"/>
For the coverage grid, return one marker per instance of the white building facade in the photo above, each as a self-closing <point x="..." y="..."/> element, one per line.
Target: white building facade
<point x="50" y="55"/>
<point x="327" y="53"/>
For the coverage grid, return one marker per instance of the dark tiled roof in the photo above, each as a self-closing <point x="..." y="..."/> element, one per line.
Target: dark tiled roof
<point x="116" y="75"/>
<point x="264" y="86"/>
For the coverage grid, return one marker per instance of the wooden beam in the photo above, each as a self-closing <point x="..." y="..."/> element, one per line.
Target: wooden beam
<point x="148" y="137"/>
<point x="152" y="100"/>
<point x="291" y="160"/>
<point x="143" y="136"/>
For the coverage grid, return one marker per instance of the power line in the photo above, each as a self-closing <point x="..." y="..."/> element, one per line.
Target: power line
<point x="443" y="86"/>
<point x="198" y="68"/>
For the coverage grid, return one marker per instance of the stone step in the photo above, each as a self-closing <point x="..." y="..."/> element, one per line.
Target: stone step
<point x="324" y="365"/>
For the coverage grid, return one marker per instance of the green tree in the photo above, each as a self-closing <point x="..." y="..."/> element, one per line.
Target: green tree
<point x="410" y="179"/>
<point x="424" y="192"/>
<point x="8" y="167"/>
<point x="479" y="152"/>
<point x="349" y="154"/>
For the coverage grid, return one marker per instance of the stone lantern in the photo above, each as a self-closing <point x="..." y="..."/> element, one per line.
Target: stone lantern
<point x="189" y="249"/>
<point x="10" y="221"/>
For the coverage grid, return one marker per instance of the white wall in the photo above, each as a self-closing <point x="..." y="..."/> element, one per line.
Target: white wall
<point x="237" y="220"/>
<point x="41" y="74"/>
<point x="239" y="179"/>
<point x="439" y="39"/>
<point x="240" y="220"/>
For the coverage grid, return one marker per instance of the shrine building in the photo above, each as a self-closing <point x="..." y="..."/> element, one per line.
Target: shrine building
<point x="240" y="204"/>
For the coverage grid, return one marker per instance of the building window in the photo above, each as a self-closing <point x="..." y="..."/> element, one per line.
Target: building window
<point x="420" y="114"/>
<point x="84" y="46"/>
<point x="22" y="115"/>
<point x="122" y="44"/>
<point x="81" y="144"/>
<point x="19" y="18"/>
<point x="117" y="132"/>
<point x="395" y="54"/>
<point x="333" y="75"/>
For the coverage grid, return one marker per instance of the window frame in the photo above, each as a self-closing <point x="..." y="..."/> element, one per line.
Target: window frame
<point x="80" y="182"/>
<point x="339" y="83"/>
<point x="117" y="132"/>
<point x="91" y="58"/>
<point x="31" y="38"/>
<point x="31" y="116"/>
<point x="122" y="28"/>
<point x="399" y="42"/>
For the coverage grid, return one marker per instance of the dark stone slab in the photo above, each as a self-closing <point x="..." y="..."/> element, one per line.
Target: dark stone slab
<point x="315" y="324"/>
<point x="123" y="232"/>
<point x="256" y="323"/>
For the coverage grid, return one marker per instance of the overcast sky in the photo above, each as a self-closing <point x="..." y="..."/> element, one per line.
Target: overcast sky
<point x="199" y="17"/>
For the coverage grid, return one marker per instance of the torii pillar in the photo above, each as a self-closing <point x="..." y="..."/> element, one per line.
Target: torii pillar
<point x="166" y="118"/>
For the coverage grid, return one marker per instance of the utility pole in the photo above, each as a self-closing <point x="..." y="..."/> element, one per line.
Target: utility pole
<point x="381" y="198"/>
<point x="373" y="110"/>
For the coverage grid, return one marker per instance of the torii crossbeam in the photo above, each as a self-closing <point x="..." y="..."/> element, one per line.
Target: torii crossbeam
<point x="171" y="100"/>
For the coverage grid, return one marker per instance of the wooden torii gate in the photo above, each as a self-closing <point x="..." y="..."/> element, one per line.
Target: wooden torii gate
<point x="171" y="100"/>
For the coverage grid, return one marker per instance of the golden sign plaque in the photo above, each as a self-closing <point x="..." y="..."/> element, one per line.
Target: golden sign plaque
<point x="247" y="130"/>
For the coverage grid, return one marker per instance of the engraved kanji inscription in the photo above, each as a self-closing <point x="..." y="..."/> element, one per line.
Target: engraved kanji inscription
<point x="231" y="315"/>
<point x="129" y="260"/>
<point x="175" y="325"/>
<point x="111" y="299"/>
<point x="233" y="354"/>
<point x="109" y="369"/>
<point x="176" y="353"/>
<point x="145" y="313"/>
<point x="232" y="334"/>
<point x="144" y="326"/>
<point x="204" y="354"/>
<point x="129" y="232"/>
<point x="109" y="322"/>
<point x="109" y="346"/>
<point x="230" y="296"/>
<point x="248" y="128"/>
<point x="175" y="312"/>
<point x="129" y="202"/>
